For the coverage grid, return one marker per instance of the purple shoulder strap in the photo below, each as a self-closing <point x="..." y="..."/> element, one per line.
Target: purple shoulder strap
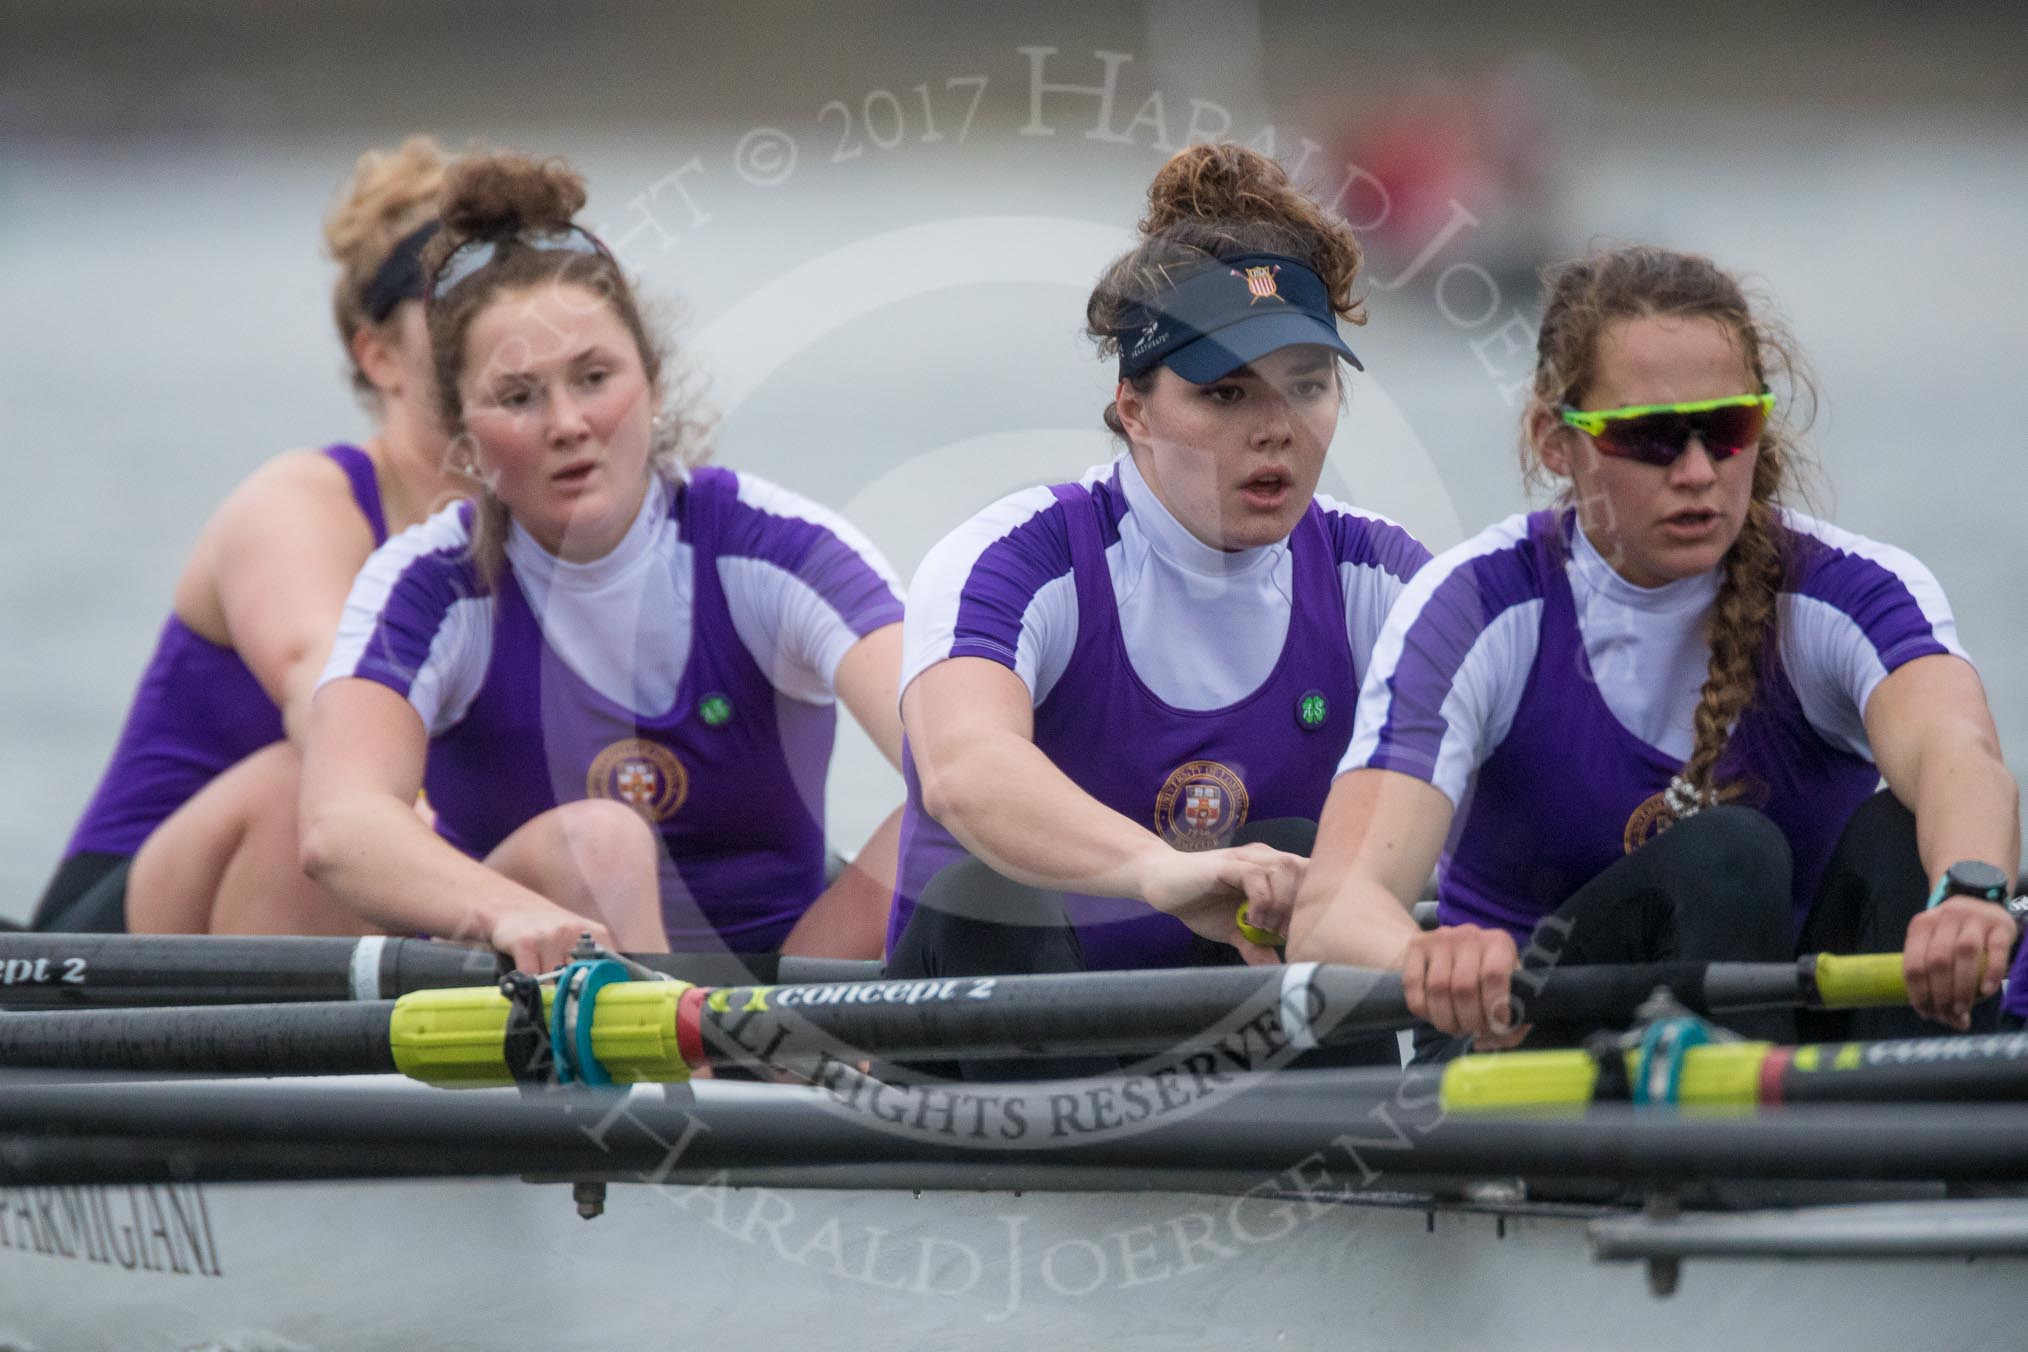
<point x="358" y="467"/>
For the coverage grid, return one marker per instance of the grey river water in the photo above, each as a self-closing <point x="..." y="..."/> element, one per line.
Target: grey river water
<point x="897" y="335"/>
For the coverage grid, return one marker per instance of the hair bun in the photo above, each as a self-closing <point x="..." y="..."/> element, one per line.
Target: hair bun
<point x="1219" y="181"/>
<point x="490" y="196"/>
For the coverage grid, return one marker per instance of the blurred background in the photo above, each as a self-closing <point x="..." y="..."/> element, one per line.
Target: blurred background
<point x="874" y="227"/>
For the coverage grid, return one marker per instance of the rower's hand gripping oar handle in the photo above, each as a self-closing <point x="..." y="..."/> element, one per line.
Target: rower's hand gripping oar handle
<point x="1611" y="994"/>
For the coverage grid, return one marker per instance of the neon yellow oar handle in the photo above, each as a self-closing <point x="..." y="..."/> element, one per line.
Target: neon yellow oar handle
<point x="457" y="1037"/>
<point x="1861" y="980"/>
<point x="1718" y="1075"/>
<point x="1253" y="933"/>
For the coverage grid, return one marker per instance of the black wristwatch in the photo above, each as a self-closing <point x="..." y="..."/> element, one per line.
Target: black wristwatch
<point x="1975" y="878"/>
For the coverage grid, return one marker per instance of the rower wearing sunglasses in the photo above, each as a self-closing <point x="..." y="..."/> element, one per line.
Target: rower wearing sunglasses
<point x="1651" y="721"/>
<point x="616" y="670"/>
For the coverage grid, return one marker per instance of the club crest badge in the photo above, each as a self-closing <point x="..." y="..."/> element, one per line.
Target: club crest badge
<point x="1654" y="816"/>
<point x="1260" y="280"/>
<point x="646" y="776"/>
<point x="1201" y="804"/>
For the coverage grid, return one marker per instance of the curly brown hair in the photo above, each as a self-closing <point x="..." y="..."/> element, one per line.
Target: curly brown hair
<point x="1213" y="201"/>
<point x="1582" y="299"/>
<point x="503" y="198"/>
<point x="389" y="193"/>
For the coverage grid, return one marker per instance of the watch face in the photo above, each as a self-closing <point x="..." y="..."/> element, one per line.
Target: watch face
<point x="1971" y="877"/>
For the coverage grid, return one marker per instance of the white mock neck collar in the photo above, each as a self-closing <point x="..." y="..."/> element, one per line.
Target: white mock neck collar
<point x="1602" y="579"/>
<point x="1172" y="540"/>
<point x="534" y="563"/>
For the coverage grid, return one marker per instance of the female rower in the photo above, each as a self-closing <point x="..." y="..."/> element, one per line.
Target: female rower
<point x="204" y="772"/>
<point x="608" y="665"/>
<point x="1125" y="696"/>
<point x="1667" y="650"/>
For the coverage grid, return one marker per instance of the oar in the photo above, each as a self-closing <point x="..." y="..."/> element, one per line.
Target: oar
<point x="659" y="1030"/>
<point x="1741" y="1075"/>
<point x="1276" y="1132"/>
<point x="69" y="971"/>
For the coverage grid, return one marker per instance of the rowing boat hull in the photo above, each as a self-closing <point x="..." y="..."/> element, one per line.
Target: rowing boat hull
<point x="485" y="1264"/>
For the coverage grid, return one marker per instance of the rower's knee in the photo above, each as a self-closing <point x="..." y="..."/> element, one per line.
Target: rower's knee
<point x="1729" y="870"/>
<point x="611" y="847"/>
<point x="1290" y="835"/>
<point x="1738" y="848"/>
<point x="969" y="890"/>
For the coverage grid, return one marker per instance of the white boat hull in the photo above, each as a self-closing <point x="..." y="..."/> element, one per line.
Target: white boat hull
<point x="484" y="1265"/>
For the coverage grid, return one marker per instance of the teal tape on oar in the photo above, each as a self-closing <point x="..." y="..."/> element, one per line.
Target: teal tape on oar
<point x="1658" y="1068"/>
<point x="570" y="1020"/>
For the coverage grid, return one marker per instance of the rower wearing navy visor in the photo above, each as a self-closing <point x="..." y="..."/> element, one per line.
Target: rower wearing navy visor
<point x="1651" y="722"/>
<point x="1125" y="696"/>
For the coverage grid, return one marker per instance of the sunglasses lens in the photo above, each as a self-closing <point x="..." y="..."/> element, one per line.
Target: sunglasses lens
<point x="1652" y="439"/>
<point x="1728" y="431"/>
<point x="1658" y="438"/>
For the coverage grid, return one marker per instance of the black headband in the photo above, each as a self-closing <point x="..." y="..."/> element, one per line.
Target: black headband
<point x="399" y="276"/>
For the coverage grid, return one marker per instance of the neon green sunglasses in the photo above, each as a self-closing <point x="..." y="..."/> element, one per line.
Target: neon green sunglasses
<point x="1655" y="434"/>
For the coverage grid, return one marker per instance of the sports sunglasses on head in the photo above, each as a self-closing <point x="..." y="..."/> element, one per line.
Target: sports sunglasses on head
<point x="1655" y="434"/>
<point x="465" y="260"/>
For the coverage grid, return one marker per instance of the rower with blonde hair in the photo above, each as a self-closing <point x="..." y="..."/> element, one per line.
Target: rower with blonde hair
<point x="193" y="826"/>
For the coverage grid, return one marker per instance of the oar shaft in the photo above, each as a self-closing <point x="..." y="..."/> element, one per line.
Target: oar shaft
<point x="70" y="971"/>
<point x="200" y="1133"/>
<point x="291" y="1039"/>
<point x="1242" y="1017"/>
<point x="1130" y="1013"/>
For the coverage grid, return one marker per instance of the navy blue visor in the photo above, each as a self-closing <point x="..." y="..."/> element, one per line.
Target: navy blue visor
<point x="1227" y="314"/>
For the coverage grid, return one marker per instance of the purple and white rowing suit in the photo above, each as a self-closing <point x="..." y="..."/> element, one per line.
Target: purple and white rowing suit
<point x="1551" y="701"/>
<point x="689" y="673"/>
<point x="198" y="712"/>
<point x="1188" y="688"/>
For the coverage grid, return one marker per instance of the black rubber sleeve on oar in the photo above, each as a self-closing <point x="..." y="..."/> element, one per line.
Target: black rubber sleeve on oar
<point x="292" y="1039"/>
<point x="1596" y="995"/>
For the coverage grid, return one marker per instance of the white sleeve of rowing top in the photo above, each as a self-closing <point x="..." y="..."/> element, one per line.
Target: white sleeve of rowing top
<point x="1446" y="678"/>
<point x="1388" y="557"/>
<point x="415" y="623"/>
<point x="997" y="587"/>
<point x="1860" y="611"/>
<point x="800" y="625"/>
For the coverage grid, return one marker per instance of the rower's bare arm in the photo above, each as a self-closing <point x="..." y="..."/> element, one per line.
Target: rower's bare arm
<point x="1933" y="737"/>
<point x="850" y="919"/>
<point x="1379" y="838"/>
<point x="867" y="681"/>
<point x="971" y="732"/>
<point x="363" y="840"/>
<point x="278" y="559"/>
<point x="1377" y="842"/>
